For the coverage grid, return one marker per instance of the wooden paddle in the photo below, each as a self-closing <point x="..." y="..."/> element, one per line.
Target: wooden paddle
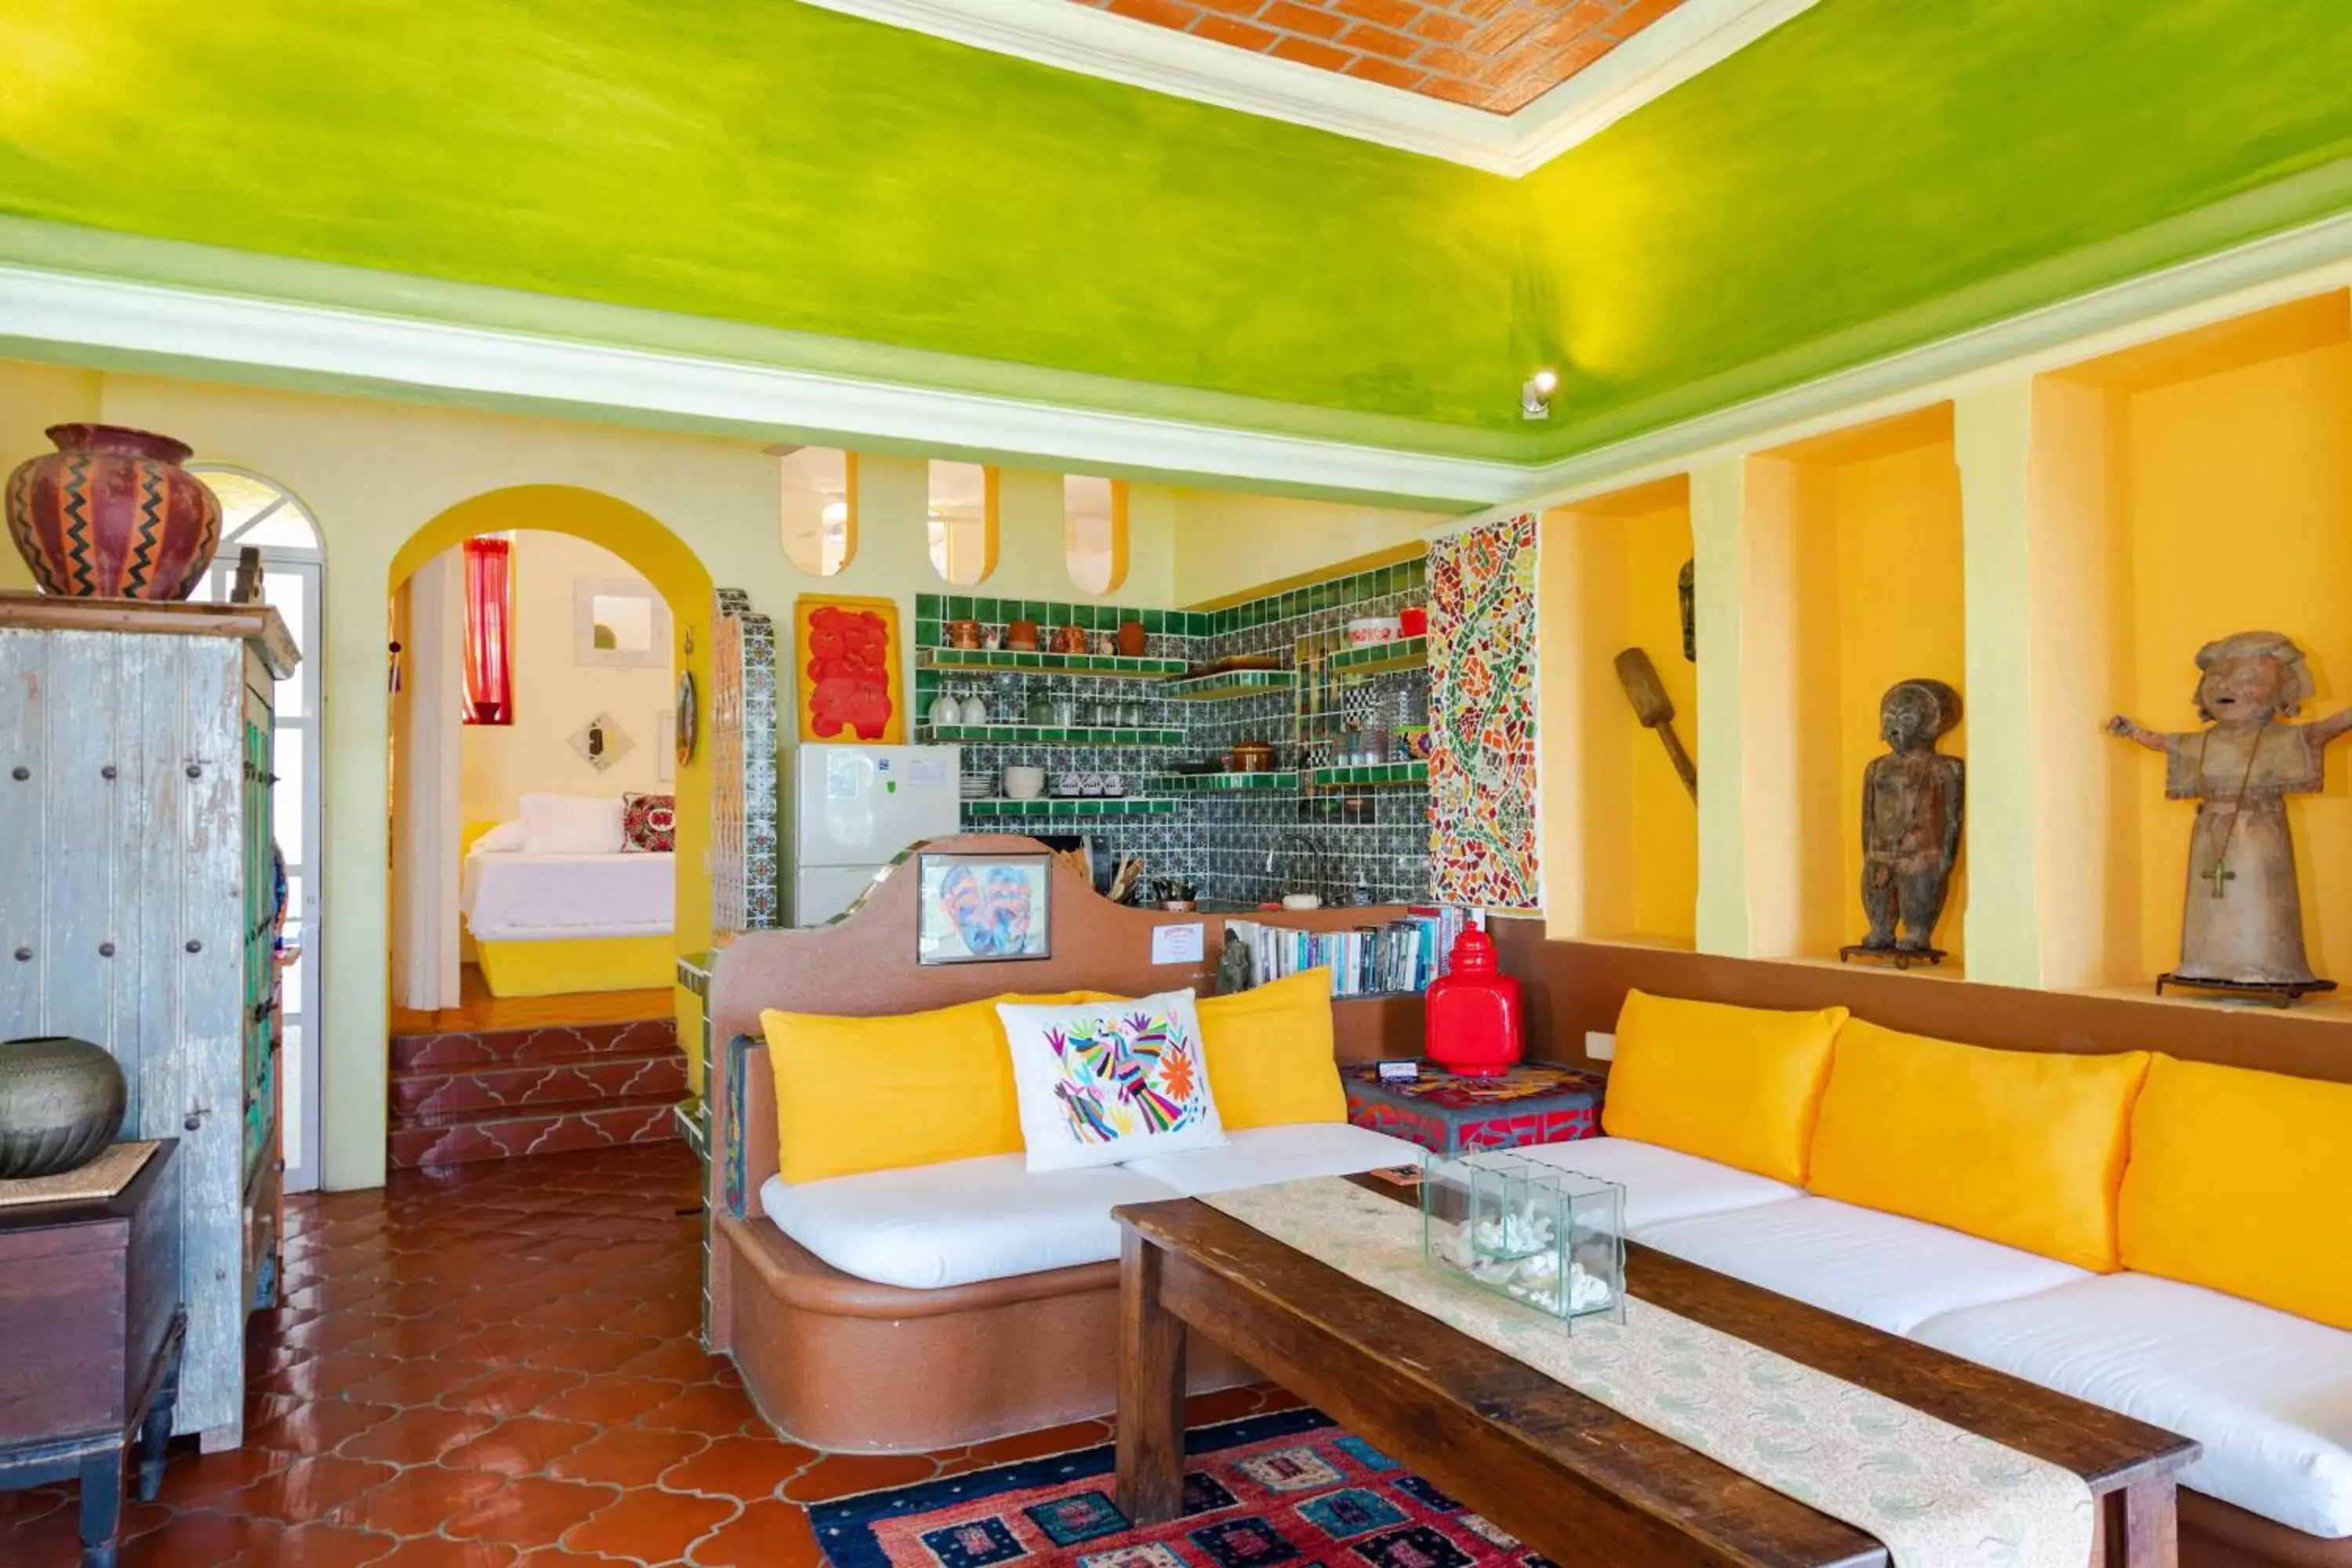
<point x="1655" y="709"/>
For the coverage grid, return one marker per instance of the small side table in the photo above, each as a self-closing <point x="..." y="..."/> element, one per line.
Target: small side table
<point x="1445" y="1113"/>
<point x="90" y="1331"/>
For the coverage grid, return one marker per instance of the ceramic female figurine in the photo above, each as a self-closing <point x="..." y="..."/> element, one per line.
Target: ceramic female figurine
<point x="2242" y="920"/>
<point x="1913" y="800"/>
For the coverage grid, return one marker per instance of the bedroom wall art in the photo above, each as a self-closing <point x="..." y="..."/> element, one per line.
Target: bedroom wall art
<point x="602" y="742"/>
<point x="849" y="688"/>
<point x="1482" y="770"/>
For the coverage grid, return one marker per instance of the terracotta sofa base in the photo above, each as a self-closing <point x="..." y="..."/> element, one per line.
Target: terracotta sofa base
<point x="841" y="1364"/>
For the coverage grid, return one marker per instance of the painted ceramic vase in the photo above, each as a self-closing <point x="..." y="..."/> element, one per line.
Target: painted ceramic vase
<point x="112" y="514"/>
<point x="61" y="1101"/>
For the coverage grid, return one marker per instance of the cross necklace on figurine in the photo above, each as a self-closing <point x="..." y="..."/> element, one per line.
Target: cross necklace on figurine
<point x="2220" y="873"/>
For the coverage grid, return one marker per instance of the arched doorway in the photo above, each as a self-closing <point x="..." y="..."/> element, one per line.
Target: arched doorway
<point x="258" y="513"/>
<point x="651" y="551"/>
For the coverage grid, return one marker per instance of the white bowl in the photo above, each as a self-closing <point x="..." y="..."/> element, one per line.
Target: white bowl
<point x="1024" y="783"/>
<point x="1374" y="629"/>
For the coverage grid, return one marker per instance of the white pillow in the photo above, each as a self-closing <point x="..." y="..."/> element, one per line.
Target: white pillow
<point x="506" y="838"/>
<point x="572" y="825"/>
<point x="1106" y="1083"/>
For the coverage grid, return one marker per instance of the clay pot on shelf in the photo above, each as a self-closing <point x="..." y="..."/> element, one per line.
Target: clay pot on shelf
<point x="1070" y="639"/>
<point x="61" y="1102"/>
<point x="964" y="634"/>
<point x="112" y="514"/>
<point x="1252" y="757"/>
<point x="1021" y="636"/>
<point x="1130" y="638"/>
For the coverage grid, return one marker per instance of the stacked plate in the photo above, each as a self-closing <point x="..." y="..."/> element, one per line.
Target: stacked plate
<point x="976" y="786"/>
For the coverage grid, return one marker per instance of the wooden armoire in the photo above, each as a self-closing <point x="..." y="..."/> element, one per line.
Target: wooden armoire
<point x="138" y="897"/>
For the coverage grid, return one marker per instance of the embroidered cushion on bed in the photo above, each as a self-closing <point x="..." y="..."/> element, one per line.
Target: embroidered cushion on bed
<point x="650" y="822"/>
<point x="1110" y="1081"/>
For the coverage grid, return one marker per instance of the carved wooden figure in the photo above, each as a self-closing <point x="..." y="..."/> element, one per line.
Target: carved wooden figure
<point x="1913" y="801"/>
<point x="2242" y="923"/>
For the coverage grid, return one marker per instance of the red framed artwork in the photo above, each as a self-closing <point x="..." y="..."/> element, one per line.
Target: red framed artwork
<point x="849" y="688"/>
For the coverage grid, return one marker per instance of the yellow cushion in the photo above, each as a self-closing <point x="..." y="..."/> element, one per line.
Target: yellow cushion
<point x="1269" y="1050"/>
<point x="2024" y="1147"/>
<point x="913" y="1089"/>
<point x="2237" y="1183"/>
<point x="1735" y="1085"/>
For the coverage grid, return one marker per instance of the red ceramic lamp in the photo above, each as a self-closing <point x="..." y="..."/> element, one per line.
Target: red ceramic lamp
<point x="1476" y="1021"/>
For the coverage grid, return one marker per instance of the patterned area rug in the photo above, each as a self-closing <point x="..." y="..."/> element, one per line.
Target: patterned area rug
<point x="1290" y="1488"/>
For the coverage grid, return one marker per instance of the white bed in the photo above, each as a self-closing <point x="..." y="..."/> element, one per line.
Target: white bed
<point x="513" y="897"/>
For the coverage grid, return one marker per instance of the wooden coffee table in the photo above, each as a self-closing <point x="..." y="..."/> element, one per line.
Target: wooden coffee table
<point x="1571" y="1478"/>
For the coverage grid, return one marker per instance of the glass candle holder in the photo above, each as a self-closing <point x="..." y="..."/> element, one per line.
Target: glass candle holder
<point x="1553" y="1240"/>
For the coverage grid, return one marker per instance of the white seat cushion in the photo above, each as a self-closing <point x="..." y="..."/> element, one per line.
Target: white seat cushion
<point x="1877" y="1269"/>
<point x="2268" y="1394"/>
<point x="1661" y="1185"/>
<point x="959" y="1222"/>
<point x="1257" y="1156"/>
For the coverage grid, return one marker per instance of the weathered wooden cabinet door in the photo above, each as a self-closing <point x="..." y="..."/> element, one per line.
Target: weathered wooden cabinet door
<point x="127" y="916"/>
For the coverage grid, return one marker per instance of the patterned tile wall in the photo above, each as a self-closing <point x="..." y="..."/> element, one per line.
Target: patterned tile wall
<point x="1331" y="841"/>
<point x="745" y="893"/>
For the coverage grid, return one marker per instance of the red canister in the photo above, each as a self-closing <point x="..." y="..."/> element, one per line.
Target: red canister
<point x="1476" y="1020"/>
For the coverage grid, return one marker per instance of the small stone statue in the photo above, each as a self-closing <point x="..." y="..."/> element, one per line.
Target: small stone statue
<point x="1234" y="966"/>
<point x="2241" y="926"/>
<point x="1913" y="800"/>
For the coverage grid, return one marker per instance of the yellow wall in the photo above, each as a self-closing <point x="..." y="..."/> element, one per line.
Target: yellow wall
<point x="555" y="694"/>
<point x="1224" y="546"/>
<point x="1620" y="833"/>
<point x="1851" y="581"/>
<point x="2238" y="503"/>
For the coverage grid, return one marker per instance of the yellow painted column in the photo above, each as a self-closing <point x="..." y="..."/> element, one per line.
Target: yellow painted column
<point x="1718" y="503"/>
<point x="1993" y="433"/>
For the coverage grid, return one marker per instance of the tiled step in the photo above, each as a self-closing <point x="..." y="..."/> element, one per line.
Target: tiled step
<point x="547" y="1043"/>
<point x="457" y="1097"/>
<point x="639" y="1120"/>
<point x="440" y="1098"/>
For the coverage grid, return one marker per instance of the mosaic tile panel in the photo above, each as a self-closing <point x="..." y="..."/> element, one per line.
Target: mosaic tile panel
<point x="1482" y="774"/>
<point x="1242" y="843"/>
<point x="745" y="888"/>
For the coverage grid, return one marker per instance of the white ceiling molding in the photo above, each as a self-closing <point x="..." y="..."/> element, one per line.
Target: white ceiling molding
<point x="369" y="351"/>
<point x="1685" y="41"/>
<point x="2293" y="264"/>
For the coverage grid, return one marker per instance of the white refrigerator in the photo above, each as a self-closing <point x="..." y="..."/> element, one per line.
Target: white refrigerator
<point x="853" y="809"/>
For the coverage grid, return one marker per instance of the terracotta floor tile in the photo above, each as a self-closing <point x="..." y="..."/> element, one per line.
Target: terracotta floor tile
<point x="502" y="1345"/>
<point x="52" y="1538"/>
<point x="707" y="1408"/>
<point x="745" y="1468"/>
<point x="192" y="1480"/>
<point x="845" y="1474"/>
<point x="605" y="1401"/>
<point x="319" y="1427"/>
<point x="417" y="1436"/>
<point x="308" y="1488"/>
<point x="628" y="1457"/>
<point x="650" y="1526"/>
<point x="511" y="1391"/>
<point x="214" y="1539"/>
<point x="666" y="1319"/>
<point x="432" y="1552"/>
<point x="407" y="1383"/>
<point x="764" y="1535"/>
<point x="592" y="1350"/>
<point x="416" y="1500"/>
<point x="411" y="1339"/>
<point x="570" y="1314"/>
<point x="522" y="1446"/>
<point x="533" y="1511"/>
<point x="328" y="1546"/>
<point x="1035" y="1445"/>
<point x="681" y="1360"/>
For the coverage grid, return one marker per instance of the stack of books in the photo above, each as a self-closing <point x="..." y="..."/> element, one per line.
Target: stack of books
<point x="1394" y="957"/>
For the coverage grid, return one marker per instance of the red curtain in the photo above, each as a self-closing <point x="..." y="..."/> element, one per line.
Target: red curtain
<point x="489" y="621"/>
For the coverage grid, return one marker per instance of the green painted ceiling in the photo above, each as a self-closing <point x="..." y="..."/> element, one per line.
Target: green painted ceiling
<point x="1874" y="174"/>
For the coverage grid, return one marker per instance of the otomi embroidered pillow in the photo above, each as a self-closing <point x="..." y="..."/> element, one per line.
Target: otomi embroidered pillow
<point x="1109" y="1081"/>
<point x="649" y="823"/>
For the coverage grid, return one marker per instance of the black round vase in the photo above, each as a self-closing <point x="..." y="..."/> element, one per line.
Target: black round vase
<point x="61" y="1102"/>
